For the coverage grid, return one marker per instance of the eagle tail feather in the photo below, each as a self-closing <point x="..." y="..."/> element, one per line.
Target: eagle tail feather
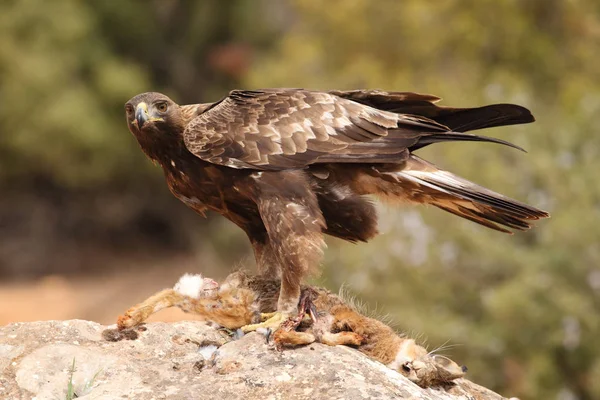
<point x="466" y="199"/>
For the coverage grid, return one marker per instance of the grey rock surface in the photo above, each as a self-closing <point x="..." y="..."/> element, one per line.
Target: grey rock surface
<point x="166" y="362"/>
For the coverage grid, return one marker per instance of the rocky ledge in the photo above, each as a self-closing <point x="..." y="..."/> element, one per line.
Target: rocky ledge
<point x="41" y="360"/>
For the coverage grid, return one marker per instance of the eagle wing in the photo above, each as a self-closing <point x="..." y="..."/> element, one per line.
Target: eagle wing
<point x="279" y="129"/>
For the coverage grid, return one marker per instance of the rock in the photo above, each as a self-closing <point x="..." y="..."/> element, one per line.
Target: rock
<point x="191" y="360"/>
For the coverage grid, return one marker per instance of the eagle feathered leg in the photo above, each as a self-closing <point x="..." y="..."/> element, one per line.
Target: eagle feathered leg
<point x="294" y="241"/>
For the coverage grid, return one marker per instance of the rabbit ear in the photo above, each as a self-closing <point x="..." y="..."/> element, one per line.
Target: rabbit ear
<point x="447" y="369"/>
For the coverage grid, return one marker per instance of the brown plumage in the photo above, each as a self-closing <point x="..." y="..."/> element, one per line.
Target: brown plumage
<point x="287" y="165"/>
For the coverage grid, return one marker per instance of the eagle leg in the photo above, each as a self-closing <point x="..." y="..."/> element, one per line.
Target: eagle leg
<point x="293" y="235"/>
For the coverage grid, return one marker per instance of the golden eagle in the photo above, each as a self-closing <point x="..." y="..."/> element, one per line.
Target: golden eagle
<point x="287" y="165"/>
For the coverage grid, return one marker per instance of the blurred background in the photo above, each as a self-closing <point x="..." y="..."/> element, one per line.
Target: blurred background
<point x="88" y="226"/>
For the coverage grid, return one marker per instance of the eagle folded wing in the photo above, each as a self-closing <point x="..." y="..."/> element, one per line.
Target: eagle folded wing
<point x="291" y="128"/>
<point x="279" y="129"/>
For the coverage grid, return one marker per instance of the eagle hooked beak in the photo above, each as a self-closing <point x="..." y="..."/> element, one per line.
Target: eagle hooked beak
<point x="141" y="114"/>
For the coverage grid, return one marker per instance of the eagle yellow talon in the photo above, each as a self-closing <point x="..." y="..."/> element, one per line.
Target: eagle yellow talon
<point x="270" y="320"/>
<point x="266" y="316"/>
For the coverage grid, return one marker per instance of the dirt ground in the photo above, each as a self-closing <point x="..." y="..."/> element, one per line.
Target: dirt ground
<point x="100" y="298"/>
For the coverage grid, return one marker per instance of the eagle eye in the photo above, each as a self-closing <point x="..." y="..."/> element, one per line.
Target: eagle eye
<point x="162" y="106"/>
<point x="128" y="108"/>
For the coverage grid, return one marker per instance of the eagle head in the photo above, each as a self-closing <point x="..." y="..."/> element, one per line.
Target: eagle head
<point x="152" y="115"/>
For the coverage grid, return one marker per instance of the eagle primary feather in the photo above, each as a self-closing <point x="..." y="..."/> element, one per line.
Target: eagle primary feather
<point x="287" y="165"/>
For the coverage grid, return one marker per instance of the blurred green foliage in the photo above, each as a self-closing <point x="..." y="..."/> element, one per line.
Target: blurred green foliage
<point x="524" y="310"/>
